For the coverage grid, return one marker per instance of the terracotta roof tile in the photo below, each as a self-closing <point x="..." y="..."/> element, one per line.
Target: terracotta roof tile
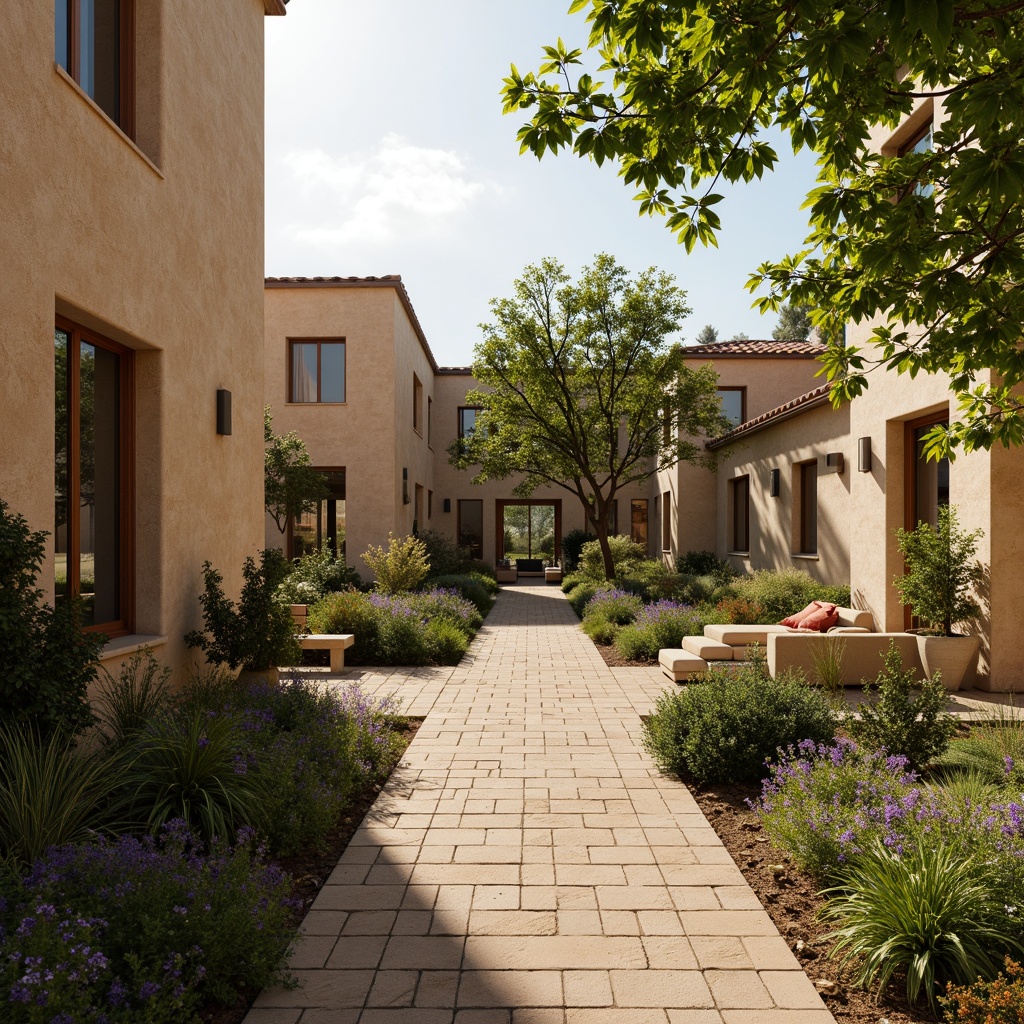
<point x="803" y="403"/>
<point x="749" y="347"/>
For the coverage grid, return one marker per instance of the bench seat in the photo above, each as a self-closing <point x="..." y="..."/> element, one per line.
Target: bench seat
<point x="708" y="649"/>
<point x="680" y="665"/>
<point x="336" y="643"/>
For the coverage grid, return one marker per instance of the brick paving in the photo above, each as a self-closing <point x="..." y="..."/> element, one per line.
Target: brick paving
<point x="528" y="865"/>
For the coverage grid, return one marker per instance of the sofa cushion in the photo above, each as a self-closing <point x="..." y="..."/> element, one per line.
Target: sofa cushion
<point x="821" y="619"/>
<point x="794" y="620"/>
<point x="709" y="650"/>
<point x="742" y="636"/>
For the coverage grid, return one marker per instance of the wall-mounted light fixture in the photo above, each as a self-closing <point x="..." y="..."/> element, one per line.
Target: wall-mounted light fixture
<point x="223" y="411"/>
<point x="864" y="454"/>
<point x="835" y="462"/>
<point x="447" y="504"/>
<point x="774" y="477"/>
<point x="405" y="486"/>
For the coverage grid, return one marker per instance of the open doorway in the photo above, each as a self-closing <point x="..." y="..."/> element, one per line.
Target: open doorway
<point x="529" y="529"/>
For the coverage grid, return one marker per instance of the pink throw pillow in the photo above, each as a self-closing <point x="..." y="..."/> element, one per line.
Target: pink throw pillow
<point x="793" y="621"/>
<point x="821" y="620"/>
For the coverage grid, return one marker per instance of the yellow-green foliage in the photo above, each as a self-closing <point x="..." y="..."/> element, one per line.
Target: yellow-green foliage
<point x="403" y="566"/>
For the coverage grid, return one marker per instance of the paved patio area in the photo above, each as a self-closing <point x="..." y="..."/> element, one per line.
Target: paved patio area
<point x="528" y="864"/>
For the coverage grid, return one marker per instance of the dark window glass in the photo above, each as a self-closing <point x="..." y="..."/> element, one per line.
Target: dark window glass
<point x="471" y="526"/>
<point x="809" y="508"/>
<point x="467" y="420"/>
<point x="61" y="32"/>
<point x="740" y="513"/>
<point x="91" y="537"/>
<point x="638" y="521"/>
<point x="733" y="402"/>
<point x="317" y="371"/>
<point x="87" y="43"/>
<point x="666" y="521"/>
<point x="326" y="526"/>
<point x="931" y="481"/>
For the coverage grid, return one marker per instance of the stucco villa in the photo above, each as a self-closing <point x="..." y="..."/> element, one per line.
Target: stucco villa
<point x="131" y="197"/>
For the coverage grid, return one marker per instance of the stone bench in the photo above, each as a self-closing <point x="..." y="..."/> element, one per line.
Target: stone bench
<point x="680" y="665"/>
<point x="336" y="643"/>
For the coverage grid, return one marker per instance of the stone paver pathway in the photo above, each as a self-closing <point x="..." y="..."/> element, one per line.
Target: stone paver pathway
<point x="529" y="865"/>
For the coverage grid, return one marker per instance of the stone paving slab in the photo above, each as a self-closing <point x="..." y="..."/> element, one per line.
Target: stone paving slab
<point x="529" y="865"/>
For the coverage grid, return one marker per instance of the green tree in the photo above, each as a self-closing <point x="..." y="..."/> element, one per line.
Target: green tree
<point x="707" y="336"/>
<point x="794" y="323"/>
<point x="291" y="487"/>
<point x="694" y="86"/>
<point x="578" y="380"/>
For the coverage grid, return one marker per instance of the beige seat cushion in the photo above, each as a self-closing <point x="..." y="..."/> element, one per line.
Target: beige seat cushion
<point x="742" y="636"/>
<point x="678" y="664"/>
<point x="709" y="650"/>
<point x="862" y="654"/>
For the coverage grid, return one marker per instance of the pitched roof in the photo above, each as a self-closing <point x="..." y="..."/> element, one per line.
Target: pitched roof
<point x="386" y="281"/>
<point x="801" y="404"/>
<point x="763" y="349"/>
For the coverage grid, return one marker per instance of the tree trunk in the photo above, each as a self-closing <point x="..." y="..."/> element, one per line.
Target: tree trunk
<point x="600" y="524"/>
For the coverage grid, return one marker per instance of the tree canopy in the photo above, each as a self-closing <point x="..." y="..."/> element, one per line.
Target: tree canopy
<point x="922" y="241"/>
<point x="582" y="388"/>
<point x="291" y="486"/>
<point x="706" y="336"/>
<point x="794" y="323"/>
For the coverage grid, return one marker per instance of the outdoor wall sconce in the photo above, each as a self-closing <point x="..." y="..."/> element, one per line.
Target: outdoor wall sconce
<point x="864" y="454"/>
<point x="447" y="504"/>
<point x="405" y="486"/>
<point x="774" y="477"/>
<point x="223" y="411"/>
<point x="835" y="462"/>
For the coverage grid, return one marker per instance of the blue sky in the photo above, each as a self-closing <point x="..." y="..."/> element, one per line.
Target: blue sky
<point x="387" y="153"/>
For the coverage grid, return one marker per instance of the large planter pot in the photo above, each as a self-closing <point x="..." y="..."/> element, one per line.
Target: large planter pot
<point x="956" y="657"/>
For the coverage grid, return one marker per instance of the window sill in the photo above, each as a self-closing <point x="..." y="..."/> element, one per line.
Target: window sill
<point x="315" y="405"/>
<point x="738" y="554"/>
<point x="805" y="557"/>
<point x="122" y="646"/>
<point x="97" y="109"/>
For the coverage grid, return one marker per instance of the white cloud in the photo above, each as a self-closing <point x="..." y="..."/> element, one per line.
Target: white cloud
<point x="398" y="191"/>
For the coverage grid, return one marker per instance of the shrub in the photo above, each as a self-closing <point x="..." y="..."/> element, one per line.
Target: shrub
<point x="916" y="727"/>
<point x="724" y="727"/>
<point x="929" y="914"/>
<point x="571" y="581"/>
<point x="626" y="555"/>
<point x="259" y="634"/>
<point x="403" y="566"/>
<point x="470" y="587"/>
<point x="614" y="605"/>
<point x="438" y="602"/>
<point x="315" y="575"/>
<point x="785" y="592"/>
<point x="580" y="596"/>
<point x="825" y="803"/>
<point x="572" y="545"/>
<point x="658" y="625"/>
<point x="446" y="558"/>
<point x="600" y="630"/>
<point x="446" y="643"/>
<point x="220" y="916"/>
<point x="988" y="1002"/>
<point x="705" y="563"/>
<point x="695" y="589"/>
<point x="191" y="767"/>
<point x="51" y="793"/>
<point x="349" y="612"/>
<point x="46" y="661"/>
<point x="740" y="610"/>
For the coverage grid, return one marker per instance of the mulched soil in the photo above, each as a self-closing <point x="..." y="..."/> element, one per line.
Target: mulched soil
<point x="310" y="870"/>
<point x="793" y="903"/>
<point x="611" y="656"/>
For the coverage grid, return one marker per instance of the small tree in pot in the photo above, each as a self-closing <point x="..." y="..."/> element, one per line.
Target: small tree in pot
<point x="940" y="586"/>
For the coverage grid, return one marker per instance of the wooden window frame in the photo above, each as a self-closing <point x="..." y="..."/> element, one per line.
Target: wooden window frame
<point x="458" y="418"/>
<point x="742" y="389"/>
<point x="739" y="545"/>
<point x="125" y="119"/>
<point x="319" y="342"/>
<point x="806" y="545"/>
<point x="125" y="624"/>
<point x="666" y="522"/>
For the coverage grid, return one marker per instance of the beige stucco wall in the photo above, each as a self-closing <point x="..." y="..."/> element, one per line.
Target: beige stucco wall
<point x="159" y="246"/>
<point x="371" y="435"/>
<point x="770" y="382"/>
<point x="774" y="522"/>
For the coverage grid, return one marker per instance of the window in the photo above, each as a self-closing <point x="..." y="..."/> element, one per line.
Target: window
<point x="739" y="518"/>
<point x="430" y="504"/>
<point x="471" y="526"/>
<point x="467" y="419"/>
<point x="417" y="507"/>
<point x="417" y="404"/>
<point x="808" y="507"/>
<point x="638" y="521"/>
<point x="734" y="404"/>
<point x="929" y="479"/>
<point x="666" y="521"/>
<point x="666" y="426"/>
<point x="94" y="498"/>
<point x="920" y="142"/>
<point x="326" y="526"/>
<point x="94" y="44"/>
<point x="430" y="409"/>
<point x="317" y="371"/>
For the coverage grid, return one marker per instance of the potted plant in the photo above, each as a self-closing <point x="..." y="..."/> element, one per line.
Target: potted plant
<point x="940" y="583"/>
<point x="259" y="635"/>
